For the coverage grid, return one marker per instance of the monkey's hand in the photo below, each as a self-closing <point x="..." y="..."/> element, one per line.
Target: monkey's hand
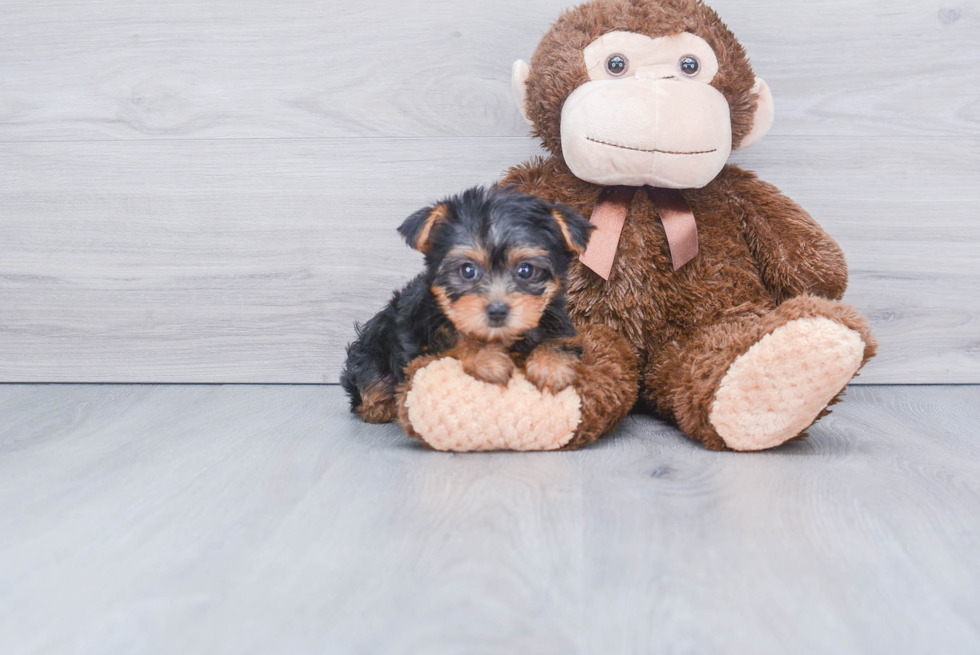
<point x="448" y="410"/>
<point x="487" y="362"/>
<point x="551" y="366"/>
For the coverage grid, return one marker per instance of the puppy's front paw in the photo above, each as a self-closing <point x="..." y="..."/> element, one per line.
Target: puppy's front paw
<point x="489" y="364"/>
<point x="551" y="368"/>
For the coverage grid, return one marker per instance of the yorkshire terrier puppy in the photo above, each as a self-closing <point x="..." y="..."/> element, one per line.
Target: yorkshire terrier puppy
<point x="492" y="294"/>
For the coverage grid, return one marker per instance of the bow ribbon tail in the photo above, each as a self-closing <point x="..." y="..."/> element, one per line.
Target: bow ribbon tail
<point x="608" y="217"/>
<point x="679" y="225"/>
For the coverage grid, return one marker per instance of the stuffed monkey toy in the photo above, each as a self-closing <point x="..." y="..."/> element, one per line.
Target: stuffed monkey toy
<point x="703" y="289"/>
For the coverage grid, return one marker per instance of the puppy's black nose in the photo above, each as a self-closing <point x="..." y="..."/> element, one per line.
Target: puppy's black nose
<point x="497" y="313"/>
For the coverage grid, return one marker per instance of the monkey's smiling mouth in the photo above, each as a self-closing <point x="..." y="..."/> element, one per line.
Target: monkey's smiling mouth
<point x="662" y="152"/>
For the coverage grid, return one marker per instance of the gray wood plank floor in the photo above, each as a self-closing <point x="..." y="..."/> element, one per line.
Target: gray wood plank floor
<point x="238" y="519"/>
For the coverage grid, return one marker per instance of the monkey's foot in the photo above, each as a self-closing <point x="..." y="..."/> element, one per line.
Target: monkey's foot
<point x="443" y="407"/>
<point x="780" y="386"/>
<point x="450" y="410"/>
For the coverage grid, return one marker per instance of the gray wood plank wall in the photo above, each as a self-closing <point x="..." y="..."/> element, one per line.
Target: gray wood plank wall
<point x="207" y="192"/>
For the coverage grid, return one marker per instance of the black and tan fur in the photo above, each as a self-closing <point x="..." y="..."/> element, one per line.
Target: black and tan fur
<point x="491" y="293"/>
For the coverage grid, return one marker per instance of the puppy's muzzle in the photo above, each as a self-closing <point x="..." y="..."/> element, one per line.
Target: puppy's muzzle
<point x="497" y="314"/>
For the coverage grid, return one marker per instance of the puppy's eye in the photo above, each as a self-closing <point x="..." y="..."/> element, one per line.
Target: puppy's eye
<point x="525" y="271"/>
<point x="689" y="65"/>
<point x="617" y="65"/>
<point x="468" y="271"/>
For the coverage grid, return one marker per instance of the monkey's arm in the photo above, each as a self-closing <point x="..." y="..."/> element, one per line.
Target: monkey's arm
<point x="794" y="254"/>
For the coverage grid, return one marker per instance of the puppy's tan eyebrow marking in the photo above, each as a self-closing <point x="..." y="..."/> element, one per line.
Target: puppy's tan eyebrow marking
<point x="476" y="255"/>
<point x="521" y="253"/>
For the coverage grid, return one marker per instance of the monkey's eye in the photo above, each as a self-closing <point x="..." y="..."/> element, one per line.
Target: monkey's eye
<point x="468" y="271"/>
<point x="617" y="65"/>
<point x="525" y="271"/>
<point x="689" y="65"/>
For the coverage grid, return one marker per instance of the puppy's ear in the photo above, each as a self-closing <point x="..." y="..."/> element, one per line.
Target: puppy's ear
<point x="419" y="228"/>
<point x="575" y="230"/>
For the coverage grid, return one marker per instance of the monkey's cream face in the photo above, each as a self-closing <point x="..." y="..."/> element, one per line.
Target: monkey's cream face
<point x="648" y="115"/>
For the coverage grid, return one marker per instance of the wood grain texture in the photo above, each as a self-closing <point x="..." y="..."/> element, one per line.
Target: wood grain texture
<point x="208" y="192"/>
<point x="256" y="519"/>
<point x="243" y="261"/>
<point x="122" y="69"/>
<point x="249" y="261"/>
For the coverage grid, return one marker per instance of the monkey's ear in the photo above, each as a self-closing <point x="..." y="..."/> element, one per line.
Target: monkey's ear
<point x="575" y="230"/>
<point x="519" y="73"/>
<point x="418" y="229"/>
<point x="765" y="113"/>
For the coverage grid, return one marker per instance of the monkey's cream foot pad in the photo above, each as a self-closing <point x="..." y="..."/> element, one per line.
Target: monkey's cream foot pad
<point x="453" y="412"/>
<point x="778" y="388"/>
